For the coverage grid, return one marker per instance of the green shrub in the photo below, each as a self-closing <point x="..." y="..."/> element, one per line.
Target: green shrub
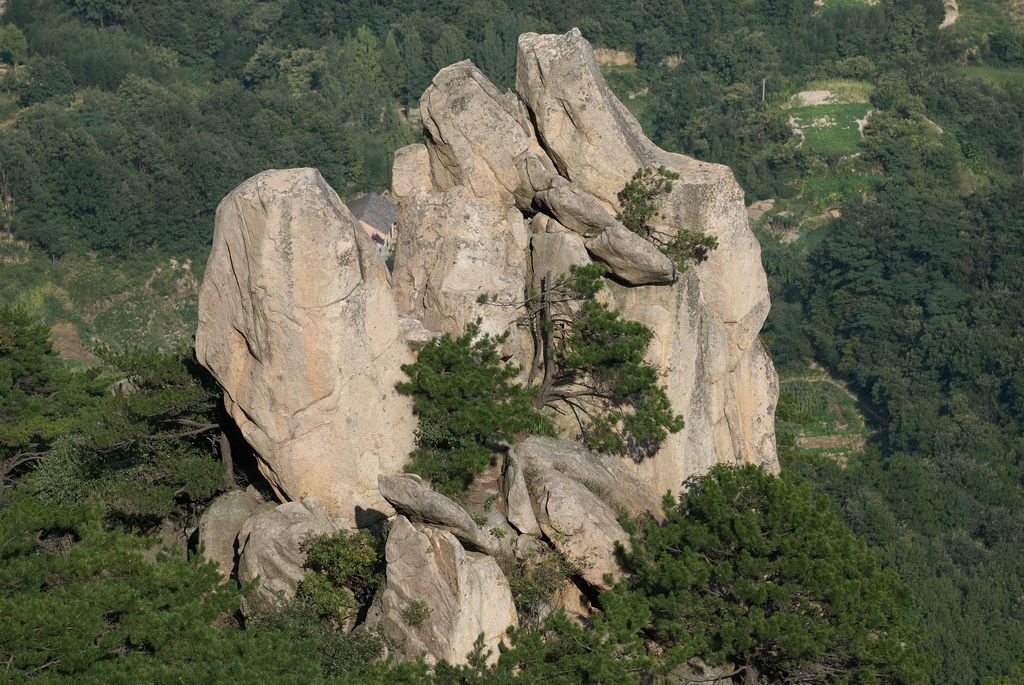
<point x="468" y="405"/>
<point x="640" y="204"/>
<point x="344" y="559"/>
<point x="754" y="570"/>
<point x="415" y="613"/>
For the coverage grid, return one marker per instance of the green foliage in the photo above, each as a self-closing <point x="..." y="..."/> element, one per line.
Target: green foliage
<point x="640" y="205"/>
<point x="754" y="570"/>
<point x="351" y="560"/>
<point x="13" y="45"/>
<point x="467" y="404"/>
<point x="415" y="613"/>
<point x="140" y="455"/>
<point x="595" y="368"/>
<point x="609" y="648"/>
<point x="38" y="396"/>
<point x="48" y="81"/>
<point x="83" y="605"/>
<point x="144" y="453"/>
<point x="534" y="582"/>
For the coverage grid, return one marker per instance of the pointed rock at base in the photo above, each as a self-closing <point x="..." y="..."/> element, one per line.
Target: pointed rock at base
<point x="439" y="598"/>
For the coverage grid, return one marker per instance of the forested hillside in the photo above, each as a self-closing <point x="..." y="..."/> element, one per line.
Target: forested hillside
<point x="892" y="153"/>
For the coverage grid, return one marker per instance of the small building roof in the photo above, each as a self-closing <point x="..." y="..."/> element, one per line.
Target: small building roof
<point x="377" y="211"/>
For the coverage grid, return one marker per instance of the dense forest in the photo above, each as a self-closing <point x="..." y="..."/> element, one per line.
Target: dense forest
<point x="894" y="247"/>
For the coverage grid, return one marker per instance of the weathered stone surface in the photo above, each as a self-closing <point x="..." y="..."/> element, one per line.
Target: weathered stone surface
<point x="219" y="526"/>
<point x="754" y="380"/>
<point x="633" y="259"/>
<point x="269" y="545"/>
<point x="618" y="484"/>
<point x="465" y="592"/>
<point x="419" y="503"/>
<point x="475" y="134"/>
<point x="554" y="254"/>
<point x="298" y="325"/>
<point x="410" y="171"/>
<point x="519" y="509"/>
<point x="578" y="523"/>
<point x="706" y="324"/>
<point x="454" y="247"/>
<point x="576" y="210"/>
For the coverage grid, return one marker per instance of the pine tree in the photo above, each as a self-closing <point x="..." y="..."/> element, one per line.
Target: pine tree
<point x="468" y="406"/>
<point x="591" y="363"/>
<point x="756" y="571"/>
<point x="393" y="69"/>
<point x="83" y="605"/>
<point x="640" y="205"/>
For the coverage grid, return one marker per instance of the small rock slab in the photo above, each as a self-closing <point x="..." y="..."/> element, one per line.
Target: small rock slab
<point x="219" y="526"/>
<point x="408" y="495"/>
<point x="603" y="472"/>
<point x="578" y="524"/>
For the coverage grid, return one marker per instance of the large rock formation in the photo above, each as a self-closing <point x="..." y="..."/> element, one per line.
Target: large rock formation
<point x="298" y="325"/>
<point x="562" y="164"/>
<point x="705" y="325"/>
<point x="305" y="331"/>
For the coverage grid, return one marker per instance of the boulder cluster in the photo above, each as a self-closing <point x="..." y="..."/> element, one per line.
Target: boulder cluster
<point x="305" y="329"/>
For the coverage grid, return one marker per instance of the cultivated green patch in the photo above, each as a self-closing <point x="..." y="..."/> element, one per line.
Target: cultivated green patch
<point x="829" y="129"/>
<point x="145" y="301"/>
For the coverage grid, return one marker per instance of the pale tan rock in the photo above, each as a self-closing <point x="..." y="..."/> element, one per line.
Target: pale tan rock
<point x="554" y="254"/>
<point x="474" y="133"/>
<point x="519" y="508"/>
<point x="572" y="601"/>
<point x="410" y="171"/>
<point x="453" y="248"/>
<point x="578" y="523"/>
<point x="410" y="497"/>
<point x="298" y="325"/>
<point x="576" y="210"/>
<point x="219" y="526"/>
<point x="633" y="259"/>
<point x="270" y="547"/>
<point x="465" y="595"/>
<point x="707" y="323"/>
<point x="614" y="482"/>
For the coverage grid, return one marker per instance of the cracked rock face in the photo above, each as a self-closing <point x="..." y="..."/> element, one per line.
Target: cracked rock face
<point x="298" y="325"/>
<point x="560" y="166"/>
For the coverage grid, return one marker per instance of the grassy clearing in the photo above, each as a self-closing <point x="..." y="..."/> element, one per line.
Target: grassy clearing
<point x="830" y="129"/>
<point x="827" y="188"/>
<point x="844" y="91"/>
<point x="148" y="301"/>
<point x="1004" y="77"/>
